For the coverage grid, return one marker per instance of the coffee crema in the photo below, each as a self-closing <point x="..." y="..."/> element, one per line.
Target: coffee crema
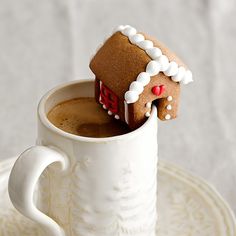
<point x="84" y="117"/>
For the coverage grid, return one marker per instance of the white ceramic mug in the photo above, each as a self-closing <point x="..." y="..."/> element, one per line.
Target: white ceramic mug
<point x="87" y="186"/>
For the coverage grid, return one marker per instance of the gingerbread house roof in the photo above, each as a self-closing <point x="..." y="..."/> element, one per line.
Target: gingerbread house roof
<point x="128" y="60"/>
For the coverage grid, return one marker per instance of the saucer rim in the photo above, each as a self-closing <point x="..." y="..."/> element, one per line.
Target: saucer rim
<point x="207" y="190"/>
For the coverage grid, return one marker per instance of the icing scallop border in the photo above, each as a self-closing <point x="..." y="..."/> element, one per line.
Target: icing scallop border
<point x="159" y="63"/>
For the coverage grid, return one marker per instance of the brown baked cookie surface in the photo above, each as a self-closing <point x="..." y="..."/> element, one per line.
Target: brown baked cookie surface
<point x="134" y="71"/>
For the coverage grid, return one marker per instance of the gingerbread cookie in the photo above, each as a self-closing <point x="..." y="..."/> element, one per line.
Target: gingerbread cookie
<point x="134" y="71"/>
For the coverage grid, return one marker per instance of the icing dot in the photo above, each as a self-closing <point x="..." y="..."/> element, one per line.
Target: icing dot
<point x="153" y="68"/>
<point x="148" y="105"/>
<point x="188" y="77"/>
<point x="136" y="86"/>
<point x="143" y="78"/>
<point x="179" y="76"/>
<point x="154" y="53"/>
<point x="131" y="96"/>
<point x="136" y="38"/>
<point x="104" y="106"/>
<point x="172" y="69"/>
<point x="169" y="107"/>
<point x="167" y="117"/>
<point x="164" y="62"/>
<point x="169" y="98"/>
<point x="117" y="117"/>
<point x="145" y="44"/>
<point x="109" y="113"/>
<point x="129" y="31"/>
<point x="147" y="114"/>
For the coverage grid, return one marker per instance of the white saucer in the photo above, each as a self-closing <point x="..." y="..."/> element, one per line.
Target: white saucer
<point x="187" y="207"/>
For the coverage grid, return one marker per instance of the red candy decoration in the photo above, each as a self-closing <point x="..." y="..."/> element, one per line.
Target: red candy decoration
<point x="158" y="90"/>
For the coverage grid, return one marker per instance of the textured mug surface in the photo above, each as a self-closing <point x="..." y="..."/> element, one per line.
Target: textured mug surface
<point x="109" y="186"/>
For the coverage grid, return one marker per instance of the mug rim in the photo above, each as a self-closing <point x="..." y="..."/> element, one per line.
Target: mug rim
<point x="45" y="121"/>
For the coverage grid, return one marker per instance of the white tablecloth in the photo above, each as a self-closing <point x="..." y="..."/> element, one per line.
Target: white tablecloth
<point x="47" y="42"/>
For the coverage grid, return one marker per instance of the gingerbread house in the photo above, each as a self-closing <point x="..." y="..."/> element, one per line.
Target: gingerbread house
<point x="132" y="72"/>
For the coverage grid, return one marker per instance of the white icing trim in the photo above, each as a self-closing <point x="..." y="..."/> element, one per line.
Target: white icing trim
<point x="144" y="78"/>
<point x="154" y="53"/>
<point x="169" y="107"/>
<point x="109" y="113"/>
<point x="147" y="114"/>
<point x="180" y="75"/>
<point x="169" y="98"/>
<point x="126" y="112"/>
<point x="131" y="96"/>
<point x="153" y="68"/>
<point x="136" y="86"/>
<point x="172" y="69"/>
<point x="188" y="77"/>
<point x="145" y="44"/>
<point x="159" y="63"/>
<point x="117" y="117"/>
<point x="135" y="39"/>
<point x="164" y="62"/>
<point x="100" y="87"/>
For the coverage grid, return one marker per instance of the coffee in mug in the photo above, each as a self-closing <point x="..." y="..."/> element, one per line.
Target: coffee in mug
<point x="83" y="116"/>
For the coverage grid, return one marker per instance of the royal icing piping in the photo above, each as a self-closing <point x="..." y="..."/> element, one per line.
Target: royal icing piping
<point x="126" y="113"/>
<point x="100" y="86"/>
<point x="159" y="63"/>
<point x="148" y="105"/>
<point x="147" y="114"/>
<point x="169" y="98"/>
<point x="169" y="107"/>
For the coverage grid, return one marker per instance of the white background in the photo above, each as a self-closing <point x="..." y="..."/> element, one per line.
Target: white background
<point x="47" y="42"/>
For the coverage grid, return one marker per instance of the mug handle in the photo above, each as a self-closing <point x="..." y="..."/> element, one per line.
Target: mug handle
<point x="22" y="181"/>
